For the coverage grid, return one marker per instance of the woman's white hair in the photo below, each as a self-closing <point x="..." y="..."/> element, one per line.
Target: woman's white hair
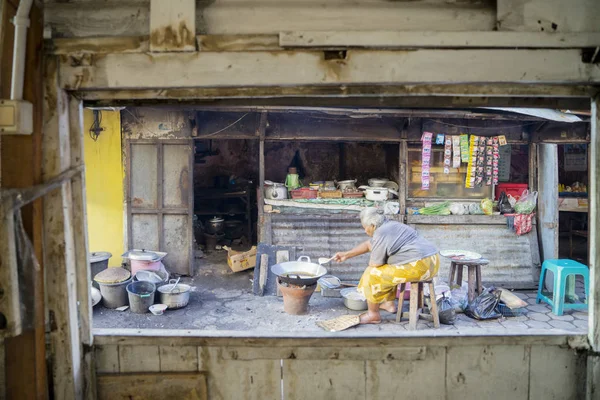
<point x="372" y="216"/>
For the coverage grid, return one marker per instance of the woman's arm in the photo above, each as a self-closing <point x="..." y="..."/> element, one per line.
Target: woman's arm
<point x="362" y="248"/>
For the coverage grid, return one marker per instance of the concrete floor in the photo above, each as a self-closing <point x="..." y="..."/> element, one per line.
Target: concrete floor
<point x="222" y="301"/>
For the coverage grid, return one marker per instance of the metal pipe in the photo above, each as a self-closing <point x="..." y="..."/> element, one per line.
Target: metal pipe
<point x="21" y="23"/>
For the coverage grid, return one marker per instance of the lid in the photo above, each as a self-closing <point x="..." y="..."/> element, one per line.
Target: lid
<point x="148" y="276"/>
<point x="216" y="219"/>
<point x="112" y="275"/>
<point x="99" y="256"/>
<point x="143" y="255"/>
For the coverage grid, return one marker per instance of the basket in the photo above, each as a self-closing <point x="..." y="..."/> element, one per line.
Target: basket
<point x="330" y="194"/>
<point x="304" y="193"/>
<point x="507" y="312"/>
<point x="353" y="195"/>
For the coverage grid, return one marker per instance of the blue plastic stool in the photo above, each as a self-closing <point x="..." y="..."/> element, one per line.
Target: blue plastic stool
<point x="561" y="269"/>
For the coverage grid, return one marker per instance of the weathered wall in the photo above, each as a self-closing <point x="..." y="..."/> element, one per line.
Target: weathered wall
<point x="104" y="176"/>
<point x="237" y="157"/>
<point x="400" y="368"/>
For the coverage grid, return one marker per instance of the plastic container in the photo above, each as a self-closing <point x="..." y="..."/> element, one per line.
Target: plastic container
<point x="114" y="295"/>
<point x="141" y="296"/>
<point x="304" y="193"/>
<point x="144" y="276"/>
<point x="514" y="189"/>
<point x="98" y="263"/>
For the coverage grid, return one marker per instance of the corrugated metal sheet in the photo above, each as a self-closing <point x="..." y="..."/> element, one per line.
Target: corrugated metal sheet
<point x="514" y="260"/>
<point x="323" y="236"/>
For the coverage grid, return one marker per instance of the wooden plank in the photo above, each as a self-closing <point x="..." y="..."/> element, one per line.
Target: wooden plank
<point x="260" y="132"/>
<point x="402" y="181"/>
<point x="456" y="219"/>
<point x="180" y="337"/>
<point x="232" y="379"/>
<point x="593" y="377"/>
<point x="68" y="372"/>
<point x="216" y="69"/>
<point x="172" y="25"/>
<point x="238" y="42"/>
<point x="594" y="228"/>
<point x="160" y="386"/>
<point x="565" y="366"/>
<point x="547" y="205"/>
<point x="10" y="304"/>
<point x="330" y="353"/>
<point x="138" y="359"/>
<point x="437" y="39"/>
<point x="110" y="44"/>
<point x="178" y="358"/>
<point x="490" y="371"/>
<point x="107" y="358"/>
<point x="264" y="271"/>
<point x="399" y="379"/>
<point x="420" y="94"/>
<point x="331" y="379"/>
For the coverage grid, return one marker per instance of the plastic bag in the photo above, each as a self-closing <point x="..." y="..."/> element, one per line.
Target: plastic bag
<point x="484" y="306"/>
<point x="458" y="209"/>
<point x="504" y="204"/>
<point x="523" y="223"/>
<point x="475" y="209"/>
<point x="526" y="203"/>
<point x="487" y="206"/>
<point x="446" y="310"/>
<point x="459" y="297"/>
<point x="511" y="200"/>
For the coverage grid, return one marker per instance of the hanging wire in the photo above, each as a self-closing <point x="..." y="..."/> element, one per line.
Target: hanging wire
<point x="96" y="127"/>
<point x="483" y="127"/>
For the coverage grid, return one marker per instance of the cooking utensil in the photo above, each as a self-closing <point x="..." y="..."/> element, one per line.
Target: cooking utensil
<point x="215" y="225"/>
<point x="144" y="255"/>
<point x="324" y="260"/>
<point x="275" y="191"/>
<point x="375" y="193"/>
<point x="347" y="185"/>
<point x="354" y="300"/>
<point x="301" y="272"/>
<point x="391" y="185"/>
<point x="460" y="255"/>
<point x="95" y="295"/>
<point x="377" y="182"/>
<point x="158" y="309"/>
<point x="175" y="295"/>
<point x="175" y="285"/>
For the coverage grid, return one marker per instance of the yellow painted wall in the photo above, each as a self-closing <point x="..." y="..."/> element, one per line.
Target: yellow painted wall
<point x="104" y="183"/>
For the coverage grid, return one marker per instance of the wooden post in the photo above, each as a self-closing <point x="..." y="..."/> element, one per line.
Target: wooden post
<point x="260" y="132"/>
<point x="403" y="181"/>
<point x="70" y="374"/>
<point x="594" y="225"/>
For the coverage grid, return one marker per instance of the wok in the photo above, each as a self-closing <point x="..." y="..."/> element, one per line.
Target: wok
<point x="301" y="272"/>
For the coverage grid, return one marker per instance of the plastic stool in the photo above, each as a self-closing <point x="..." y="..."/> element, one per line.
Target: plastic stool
<point x="561" y="270"/>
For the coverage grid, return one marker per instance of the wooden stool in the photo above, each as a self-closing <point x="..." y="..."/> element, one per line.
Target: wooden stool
<point x="416" y="304"/>
<point x="474" y="275"/>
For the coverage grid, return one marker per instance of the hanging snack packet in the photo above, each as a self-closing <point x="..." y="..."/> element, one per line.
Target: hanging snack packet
<point x="464" y="148"/>
<point x="456" y="151"/>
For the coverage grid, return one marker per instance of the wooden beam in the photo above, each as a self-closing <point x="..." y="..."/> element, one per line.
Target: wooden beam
<point x="299" y="68"/>
<point x="238" y="43"/>
<point x="110" y="44"/>
<point x="260" y="132"/>
<point x="594" y="230"/>
<point x="437" y="39"/>
<point x="172" y="25"/>
<point x="68" y="372"/>
<point x="10" y="303"/>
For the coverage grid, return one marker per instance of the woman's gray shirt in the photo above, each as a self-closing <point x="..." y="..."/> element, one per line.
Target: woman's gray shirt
<point x="395" y="243"/>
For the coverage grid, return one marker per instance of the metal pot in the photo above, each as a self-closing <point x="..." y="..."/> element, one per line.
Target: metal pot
<point x="179" y="297"/>
<point x="301" y="272"/>
<point x="275" y="191"/>
<point x="375" y="193"/>
<point x="353" y="300"/>
<point x="347" y="185"/>
<point x="215" y="225"/>
<point x="377" y="182"/>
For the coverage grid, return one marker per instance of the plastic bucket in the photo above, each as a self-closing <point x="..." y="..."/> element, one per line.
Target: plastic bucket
<point x="114" y="295"/>
<point x="141" y="296"/>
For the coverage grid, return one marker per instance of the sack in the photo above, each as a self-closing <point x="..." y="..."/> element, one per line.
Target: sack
<point x="484" y="306"/>
<point x="504" y="204"/>
<point x="523" y="223"/>
<point x="475" y="209"/>
<point x="526" y="203"/>
<point x="446" y="310"/>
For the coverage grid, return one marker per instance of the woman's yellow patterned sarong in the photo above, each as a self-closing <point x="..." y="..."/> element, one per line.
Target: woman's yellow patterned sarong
<point x="378" y="284"/>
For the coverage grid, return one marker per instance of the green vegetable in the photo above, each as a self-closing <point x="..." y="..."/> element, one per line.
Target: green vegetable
<point x="436" y="209"/>
<point x="524" y="207"/>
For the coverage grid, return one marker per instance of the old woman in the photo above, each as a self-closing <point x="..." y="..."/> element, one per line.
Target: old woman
<point x="398" y="255"/>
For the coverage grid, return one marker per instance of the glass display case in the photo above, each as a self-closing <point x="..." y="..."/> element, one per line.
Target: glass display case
<point x="442" y="186"/>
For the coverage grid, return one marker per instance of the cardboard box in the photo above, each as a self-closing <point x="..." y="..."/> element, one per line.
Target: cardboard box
<point x="241" y="260"/>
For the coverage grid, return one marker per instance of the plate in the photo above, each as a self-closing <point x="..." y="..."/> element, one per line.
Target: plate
<point x="391" y="185"/>
<point x="460" y="255"/>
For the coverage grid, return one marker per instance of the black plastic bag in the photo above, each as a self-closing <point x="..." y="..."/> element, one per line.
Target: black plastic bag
<point x="446" y="310"/>
<point x="484" y="306"/>
<point x="504" y="205"/>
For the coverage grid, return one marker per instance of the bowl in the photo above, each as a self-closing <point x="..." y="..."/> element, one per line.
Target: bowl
<point x="353" y="300"/>
<point x="158" y="309"/>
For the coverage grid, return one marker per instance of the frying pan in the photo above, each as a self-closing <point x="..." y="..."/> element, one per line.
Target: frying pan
<point x="301" y="272"/>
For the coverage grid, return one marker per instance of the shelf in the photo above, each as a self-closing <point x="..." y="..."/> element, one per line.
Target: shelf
<point x="213" y="194"/>
<point x="219" y="213"/>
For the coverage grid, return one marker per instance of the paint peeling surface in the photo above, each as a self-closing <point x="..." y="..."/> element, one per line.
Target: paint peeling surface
<point x="155" y="123"/>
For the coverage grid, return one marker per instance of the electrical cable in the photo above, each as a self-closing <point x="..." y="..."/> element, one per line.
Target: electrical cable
<point x="96" y="127"/>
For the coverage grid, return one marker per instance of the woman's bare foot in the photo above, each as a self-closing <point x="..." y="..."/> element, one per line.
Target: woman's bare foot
<point x="388" y="306"/>
<point x="370" y="318"/>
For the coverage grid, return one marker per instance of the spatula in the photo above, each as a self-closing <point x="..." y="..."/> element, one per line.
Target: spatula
<point x="324" y="260"/>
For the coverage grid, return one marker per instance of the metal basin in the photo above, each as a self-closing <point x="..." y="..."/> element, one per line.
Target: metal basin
<point x="301" y="272"/>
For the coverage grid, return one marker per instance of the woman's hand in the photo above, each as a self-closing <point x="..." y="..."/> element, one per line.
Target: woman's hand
<point x="341" y="256"/>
